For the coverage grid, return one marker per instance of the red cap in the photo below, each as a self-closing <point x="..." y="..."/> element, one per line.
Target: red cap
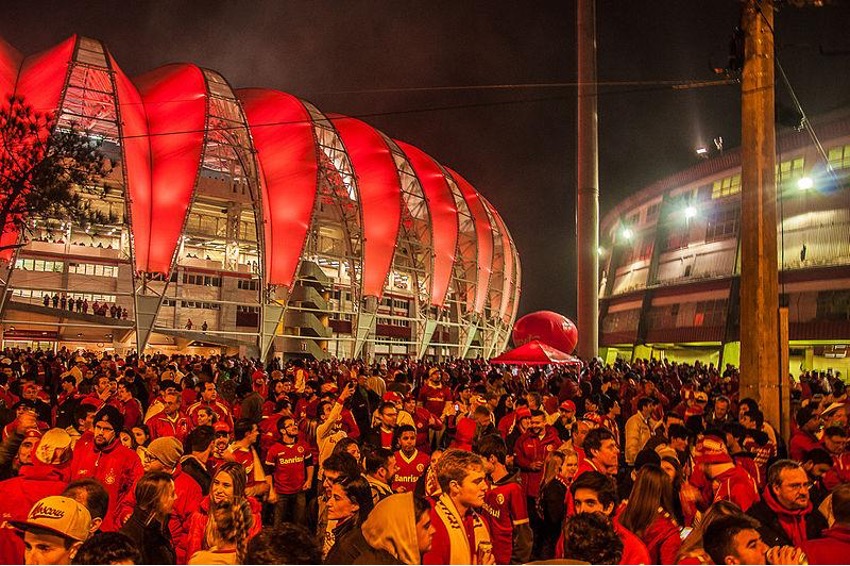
<point x="523" y="412"/>
<point x="391" y="396"/>
<point x="221" y="426"/>
<point x="568" y="405"/>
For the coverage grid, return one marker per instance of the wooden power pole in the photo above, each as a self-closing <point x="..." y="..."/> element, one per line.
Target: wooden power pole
<point x="760" y="336"/>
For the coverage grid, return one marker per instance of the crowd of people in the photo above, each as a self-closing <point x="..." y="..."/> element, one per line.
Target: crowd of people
<point x="81" y="304"/>
<point x="224" y="460"/>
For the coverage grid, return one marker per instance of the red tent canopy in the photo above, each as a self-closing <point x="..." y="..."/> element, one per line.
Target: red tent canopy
<point x="535" y="353"/>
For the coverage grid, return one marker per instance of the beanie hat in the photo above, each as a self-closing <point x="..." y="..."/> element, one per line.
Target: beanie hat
<point x="712" y="450"/>
<point x="645" y="457"/>
<point x="111" y="415"/>
<point x="805" y="414"/>
<point x="167" y="450"/>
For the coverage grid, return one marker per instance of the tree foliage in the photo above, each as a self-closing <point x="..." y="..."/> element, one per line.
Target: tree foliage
<point x="43" y="168"/>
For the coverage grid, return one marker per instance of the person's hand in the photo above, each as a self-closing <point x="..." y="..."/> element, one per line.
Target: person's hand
<point x="537" y="466"/>
<point x="306" y="486"/>
<point x="346" y="392"/>
<point x="26" y="422"/>
<point x="272" y="496"/>
<point x="785" y="555"/>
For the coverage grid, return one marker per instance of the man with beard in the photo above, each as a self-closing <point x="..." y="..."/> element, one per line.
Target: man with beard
<point x="170" y="421"/>
<point x="290" y="470"/>
<point x="785" y="512"/>
<point x="530" y="454"/>
<point x="434" y="396"/>
<point x="209" y="398"/>
<point x="383" y="435"/>
<point x="423" y="422"/>
<point x="107" y="460"/>
<point x="564" y="423"/>
<point x="505" y="507"/>
<point x="219" y="447"/>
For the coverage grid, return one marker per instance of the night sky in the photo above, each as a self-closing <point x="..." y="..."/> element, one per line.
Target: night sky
<point x="375" y="60"/>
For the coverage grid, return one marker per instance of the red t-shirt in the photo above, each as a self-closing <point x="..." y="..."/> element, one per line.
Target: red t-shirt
<point x="435" y="398"/>
<point x="409" y="471"/>
<point x="290" y="462"/>
<point x="504" y="506"/>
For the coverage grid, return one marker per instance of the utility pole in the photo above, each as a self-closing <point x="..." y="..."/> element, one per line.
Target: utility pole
<point x="587" y="184"/>
<point x="760" y="336"/>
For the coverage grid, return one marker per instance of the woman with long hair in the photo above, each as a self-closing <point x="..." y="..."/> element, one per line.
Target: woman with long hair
<point x="349" y="505"/>
<point x="227" y="534"/>
<point x="685" y="496"/>
<point x="227" y="488"/>
<point x="692" y="551"/>
<point x="648" y="513"/>
<point x="559" y="468"/>
<point x="349" y="445"/>
<point x="148" y="525"/>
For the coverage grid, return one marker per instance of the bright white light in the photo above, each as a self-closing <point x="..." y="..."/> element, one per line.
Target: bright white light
<point x="805" y="183"/>
<point x="627" y="233"/>
<point x="690" y="212"/>
<point x="601" y="251"/>
<point x="702" y="151"/>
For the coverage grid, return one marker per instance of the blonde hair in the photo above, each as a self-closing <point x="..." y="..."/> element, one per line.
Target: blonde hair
<point x="551" y="466"/>
<point x="229" y="524"/>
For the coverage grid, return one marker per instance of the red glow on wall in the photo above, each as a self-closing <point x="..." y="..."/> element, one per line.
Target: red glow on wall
<point x="283" y="137"/>
<point x="444" y="222"/>
<point x="175" y="102"/>
<point x="484" y="233"/>
<point x="380" y="198"/>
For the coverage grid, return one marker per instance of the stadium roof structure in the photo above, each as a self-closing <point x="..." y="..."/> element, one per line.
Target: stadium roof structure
<point x="170" y="123"/>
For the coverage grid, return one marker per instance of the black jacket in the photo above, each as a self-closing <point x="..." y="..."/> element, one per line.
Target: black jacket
<point x="771" y="530"/>
<point x="197" y="472"/>
<point x="551" y="510"/>
<point x="153" y="540"/>
<point x="344" y="550"/>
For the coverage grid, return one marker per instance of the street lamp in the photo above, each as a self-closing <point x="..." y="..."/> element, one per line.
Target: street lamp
<point x="805" y="183"/>
<point x="690" y="212"/>
<point x="627" y="233"/>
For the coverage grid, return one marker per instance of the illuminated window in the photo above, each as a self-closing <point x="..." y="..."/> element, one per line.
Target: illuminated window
<point x="839" y="157"/>
<point x="722" y="224"/>
<point x="790" y="170"/>
<point x="726" y="187"/>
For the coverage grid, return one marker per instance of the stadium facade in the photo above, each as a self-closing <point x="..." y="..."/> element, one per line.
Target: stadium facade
<point x="671" y="257"/>
<point x="249" y="221"/>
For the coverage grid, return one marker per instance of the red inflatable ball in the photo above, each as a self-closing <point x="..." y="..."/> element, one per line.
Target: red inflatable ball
<point x="549" y="327"/>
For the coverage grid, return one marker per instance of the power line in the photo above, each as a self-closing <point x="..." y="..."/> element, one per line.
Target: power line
<point x="648" y="87"/>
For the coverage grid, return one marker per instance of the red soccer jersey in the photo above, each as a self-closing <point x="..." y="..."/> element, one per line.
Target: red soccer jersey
<point x="409" y="470"/>
<point x="435" y="398"/>
<point x="504" y="506"/>
<point x="246" y="458"/>
<point x="290" y="462"/>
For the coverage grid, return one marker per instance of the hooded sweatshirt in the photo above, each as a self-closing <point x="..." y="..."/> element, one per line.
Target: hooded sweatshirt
<point x="781" y="526"/>
<point x="391" y="527"/>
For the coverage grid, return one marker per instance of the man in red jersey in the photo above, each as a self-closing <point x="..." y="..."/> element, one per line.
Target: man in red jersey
<point x="129" y="406"/>
<point x="221" y="440"/>
<point x="505" y="506"/>
<point x="411" y="462"/>
<point x="434" y="396"/>
<point x="290" y="470"/>
<point x="241" y="450"/>
<point x="732" y="483"/>
<point x="170" y="421"/>
<point x="108" y="461"/>
<point x="805" y="438"/>
<point x="531" y="450"/>
<point x="424" y="422"/>
<point x="209" y="398"/>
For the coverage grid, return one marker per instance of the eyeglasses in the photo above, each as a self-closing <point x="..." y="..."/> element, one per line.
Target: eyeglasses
<point x="102" y="428"/>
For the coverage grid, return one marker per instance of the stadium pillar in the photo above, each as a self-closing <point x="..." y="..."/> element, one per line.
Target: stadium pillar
<point x="760" y="372"/>
<point x="587" y="184"/>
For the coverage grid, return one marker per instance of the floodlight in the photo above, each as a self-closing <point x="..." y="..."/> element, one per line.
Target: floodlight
<point x="805" y="183"/>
